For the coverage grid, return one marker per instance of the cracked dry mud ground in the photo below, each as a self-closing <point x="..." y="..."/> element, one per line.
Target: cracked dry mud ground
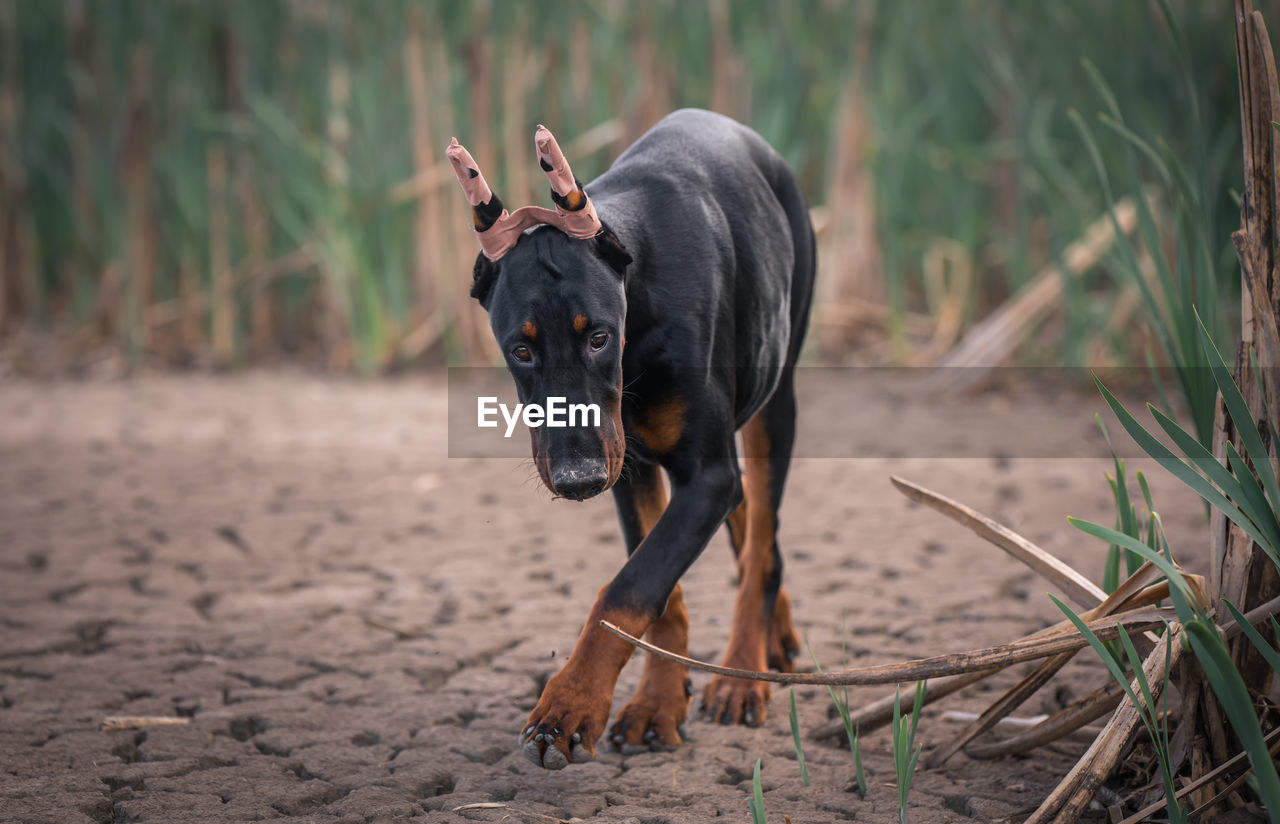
<point x="356" y="625"/>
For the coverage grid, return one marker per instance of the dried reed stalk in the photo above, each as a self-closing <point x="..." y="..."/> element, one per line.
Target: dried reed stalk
<point x="519" y="69"/>
<point x="1247" y="576"/>
<point x="1073" y="795"/>
<point x="1272" y="738"/>
<point x="113" y="723"/>
<point x="852" y="266"/>
<point x="142" y="241"/>
<point x="730" y="78"/>
<point x="223" y="333"/>
<point x="1132" y="593"/>
<point x="998" y="336"/>
<point x="254" y="219"/>
<point x="880" y="711"/>
<point x="1075" y="585"/>
<point x="11" y="201"/>
<point x="1062" y="723"/>
<point x="1060" y="638"/>
<point x="426" y="231"/>
<point x="84" y="217"/>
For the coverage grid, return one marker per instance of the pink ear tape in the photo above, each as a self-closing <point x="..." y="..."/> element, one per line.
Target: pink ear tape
<point x="496" y="229"/>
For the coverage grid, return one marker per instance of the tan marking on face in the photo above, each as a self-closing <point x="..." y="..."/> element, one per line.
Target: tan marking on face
<point x="529" y="330"/>
<point x="660" y="426"/>
<point x="579" y="323"/>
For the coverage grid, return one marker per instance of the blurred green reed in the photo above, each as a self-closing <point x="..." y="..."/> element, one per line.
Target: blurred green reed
<point x="221" y="182"/>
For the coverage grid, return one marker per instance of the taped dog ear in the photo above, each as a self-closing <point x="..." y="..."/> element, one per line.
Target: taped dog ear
<point x="482" y="278"/>
<point x="607" y="246"/>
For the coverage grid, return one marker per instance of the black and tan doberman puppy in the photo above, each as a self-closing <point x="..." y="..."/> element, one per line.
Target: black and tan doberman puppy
<point x="675" y="297"/>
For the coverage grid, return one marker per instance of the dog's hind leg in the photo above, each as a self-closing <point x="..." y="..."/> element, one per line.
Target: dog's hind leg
<point x="762" y="633"/>
<point x="651" y="719"/>
<point x="784" y="642"/>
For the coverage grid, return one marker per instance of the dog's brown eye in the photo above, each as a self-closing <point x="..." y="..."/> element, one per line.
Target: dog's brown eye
<point x="598" y="340"/>
<point x="522" y="353"/>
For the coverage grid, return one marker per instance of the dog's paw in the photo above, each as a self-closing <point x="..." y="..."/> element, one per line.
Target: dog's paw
<point x="734" y="701"/>
<point x="651" y="719"/>
<point x="564" y="727"/>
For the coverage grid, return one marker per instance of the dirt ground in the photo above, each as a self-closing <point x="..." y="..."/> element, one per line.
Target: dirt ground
<point x="356" y="624"/>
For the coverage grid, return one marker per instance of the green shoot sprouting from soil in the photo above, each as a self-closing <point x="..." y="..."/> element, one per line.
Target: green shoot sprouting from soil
<point x="756" y="803"/>
<point x="842" y="706"/>
<point x="1248" y="501"/>
<point x="1155" y="719"/>
<point x="906" y="752"/>
<point x="795" y="736"/>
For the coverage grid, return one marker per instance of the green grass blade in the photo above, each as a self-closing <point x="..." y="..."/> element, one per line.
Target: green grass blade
<point x="1111" y="570"/>
<point x="1141" y="145"/>
<point x="795" y="736"/>
<point x="1238" y="483"/>
<point x="858" y="772"/>
<point x="1178" y="589"/>
<point x="1179" y="468"/>
<point x="1253" y="501"/>
<point x="1238" y="408"/>
<point x="757" y="796"/>
<point x="1255" y="637"/>
<point x="842" y="706"/>
<point x="1234" y="697"/>
<point x="1146" y="490"/>
<point x="1113" y="665"/>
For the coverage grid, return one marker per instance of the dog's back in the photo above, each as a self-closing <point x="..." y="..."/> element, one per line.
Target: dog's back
<point x="722" y="241"/>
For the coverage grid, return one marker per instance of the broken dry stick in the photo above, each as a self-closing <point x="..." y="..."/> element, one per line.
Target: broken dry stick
<point x="1059" y="725"/>
<point x="1132" y="593"/>
<point x="996" y="657"/>
<point x="1076" y="586"/>
<point x="132" y="722"/>
<point x="1075" y="792"/>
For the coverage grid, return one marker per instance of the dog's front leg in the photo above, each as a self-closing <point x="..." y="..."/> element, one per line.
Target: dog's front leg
<point x="571" y="715"/>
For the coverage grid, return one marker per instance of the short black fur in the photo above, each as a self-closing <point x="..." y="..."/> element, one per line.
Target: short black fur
<point x="700" y="286"/>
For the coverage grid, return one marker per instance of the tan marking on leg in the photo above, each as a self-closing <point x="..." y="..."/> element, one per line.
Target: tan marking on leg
<point x="660" y="426"/>
<point x="731" y="699"/>
<point x="784" y="642"/>
<point x="577" y="698"/>
<point x="737" y="524"/>
<point x="651" y="501"/>
<point x="661" y="701"/>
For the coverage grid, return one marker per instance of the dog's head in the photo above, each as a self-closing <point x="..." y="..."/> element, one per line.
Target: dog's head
<point x="557" y="308"/>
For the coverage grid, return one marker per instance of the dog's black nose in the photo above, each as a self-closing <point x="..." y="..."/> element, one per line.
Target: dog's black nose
<point x="580" y="480"/>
